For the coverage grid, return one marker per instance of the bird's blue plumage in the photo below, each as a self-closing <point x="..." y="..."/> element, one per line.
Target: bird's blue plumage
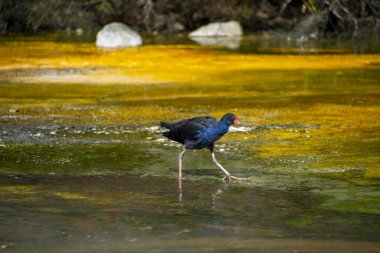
<point x="199" y="132"/>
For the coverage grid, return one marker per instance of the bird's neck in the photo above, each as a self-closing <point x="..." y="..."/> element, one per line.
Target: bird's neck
<point x="223" y="127"/>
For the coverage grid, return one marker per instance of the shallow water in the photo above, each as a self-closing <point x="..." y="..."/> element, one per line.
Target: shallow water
<point x="84" y="167"/>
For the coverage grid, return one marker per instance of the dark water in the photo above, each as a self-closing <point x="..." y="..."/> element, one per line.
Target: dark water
<point x="84" y="168"/>
<point x="119" y="213"/>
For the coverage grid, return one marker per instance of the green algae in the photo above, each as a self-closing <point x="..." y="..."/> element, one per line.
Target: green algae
<point x="304" y="220"/>
<point x="349" y="201"/>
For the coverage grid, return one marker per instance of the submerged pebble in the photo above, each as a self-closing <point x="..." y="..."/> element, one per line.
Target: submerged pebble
<point x="4" y="246"/>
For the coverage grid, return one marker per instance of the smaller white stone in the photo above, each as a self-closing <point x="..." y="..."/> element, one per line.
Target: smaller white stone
<point x="231" y="28"/>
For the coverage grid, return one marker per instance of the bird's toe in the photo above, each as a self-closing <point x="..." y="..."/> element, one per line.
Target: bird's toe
<point x="233" y="178"/>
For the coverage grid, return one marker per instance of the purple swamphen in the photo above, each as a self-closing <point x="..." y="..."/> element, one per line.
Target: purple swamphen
<point x="199" y="133"/>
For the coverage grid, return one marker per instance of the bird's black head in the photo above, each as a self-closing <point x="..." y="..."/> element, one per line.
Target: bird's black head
<point x="230" y="119"/>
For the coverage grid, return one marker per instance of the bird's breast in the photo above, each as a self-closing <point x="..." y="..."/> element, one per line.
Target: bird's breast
<point x="212" y="134"/>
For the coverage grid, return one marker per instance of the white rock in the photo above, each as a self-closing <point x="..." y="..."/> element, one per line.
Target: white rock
<point x="231" y="28"/>
<point x="117" y="35"/>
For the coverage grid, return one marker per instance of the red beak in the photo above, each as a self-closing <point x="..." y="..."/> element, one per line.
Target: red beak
<point x="236" y="122"/>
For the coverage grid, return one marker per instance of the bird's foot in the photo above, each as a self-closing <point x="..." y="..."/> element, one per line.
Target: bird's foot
<point x="233" y="178"/>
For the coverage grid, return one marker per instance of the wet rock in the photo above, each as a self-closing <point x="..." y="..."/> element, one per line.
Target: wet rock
<point x="117" y="35"/>
<point x="231" y="28"/>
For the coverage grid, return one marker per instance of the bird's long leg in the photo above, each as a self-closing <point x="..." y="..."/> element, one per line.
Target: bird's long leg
<point x="180" y="190"/>
<point x="220" y="166"/>
<point x="180" y="164"/>
<point x="228" y="175"/>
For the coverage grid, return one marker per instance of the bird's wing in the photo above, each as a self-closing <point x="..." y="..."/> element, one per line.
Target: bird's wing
<point x="193" y="129"/>
<point x="209" y="135"/>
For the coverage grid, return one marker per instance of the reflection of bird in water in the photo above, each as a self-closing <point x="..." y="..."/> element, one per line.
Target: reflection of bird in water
<point x="214" y="196"/>
<point x="199" y="133"/>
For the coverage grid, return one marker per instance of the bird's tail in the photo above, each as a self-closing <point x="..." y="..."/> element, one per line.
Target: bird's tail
<point x="167" y="134"/>
<point x="166" y="125"/>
